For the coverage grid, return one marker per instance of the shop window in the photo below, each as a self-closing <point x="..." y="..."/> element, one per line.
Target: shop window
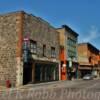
<point x="53" y="52"/>
<point x="33" y="46"/>
<point x="44" y="50"/>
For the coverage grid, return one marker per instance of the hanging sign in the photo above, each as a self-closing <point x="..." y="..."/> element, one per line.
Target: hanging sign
<point x="26" y="50"/>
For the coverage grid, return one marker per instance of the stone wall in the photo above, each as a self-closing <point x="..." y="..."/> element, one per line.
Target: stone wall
<point x="43" y="33"/>
<point x="12" y="28"/>
<point x="9" y="28"/>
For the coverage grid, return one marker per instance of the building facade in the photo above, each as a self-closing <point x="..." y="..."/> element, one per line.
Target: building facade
<point x="29" y="49"/>
<point x="68" y="51"/>
<point x="88" y="57"/>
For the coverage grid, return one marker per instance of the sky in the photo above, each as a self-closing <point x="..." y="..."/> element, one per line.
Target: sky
<point x="83" y="16"/>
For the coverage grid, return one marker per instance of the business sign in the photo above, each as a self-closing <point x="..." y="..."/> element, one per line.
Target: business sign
<point x="83" y="59"/>
<point x="74" y="59"/>
<point x="26" y="50"/>
<point x="69" y="62"/>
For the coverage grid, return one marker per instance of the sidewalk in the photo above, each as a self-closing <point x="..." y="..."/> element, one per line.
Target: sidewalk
<point x="36" y="86"/>
<point x="2" y="89"/>
<point x="42" y="85"/>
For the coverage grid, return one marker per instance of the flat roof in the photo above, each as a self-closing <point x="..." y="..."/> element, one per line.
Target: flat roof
<point x="67" y="28"/>
<point x="89" y="44"/>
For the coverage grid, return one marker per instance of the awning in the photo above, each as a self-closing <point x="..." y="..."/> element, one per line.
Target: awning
<point x="85" y="68"/>
<point x="84" y="64"/>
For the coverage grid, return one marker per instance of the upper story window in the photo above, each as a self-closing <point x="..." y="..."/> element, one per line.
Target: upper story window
<point x="90" y="59"/>
<point x="44" y="50"/>
<point x="53" y="52"/>
<point x="71" y="42"/>
<point x="33" y="46"/>
<point x="25" y="45"/>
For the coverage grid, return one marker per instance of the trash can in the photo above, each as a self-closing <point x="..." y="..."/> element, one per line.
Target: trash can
<point x="8" y="83"/>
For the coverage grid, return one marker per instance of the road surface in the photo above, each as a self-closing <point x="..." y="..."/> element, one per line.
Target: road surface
<point x="62" y="90"/>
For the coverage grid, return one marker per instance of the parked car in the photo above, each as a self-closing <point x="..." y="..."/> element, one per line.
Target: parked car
<point x="88" y="77"/>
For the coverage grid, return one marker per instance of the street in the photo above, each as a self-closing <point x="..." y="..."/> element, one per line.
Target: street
<point x="62" y="90"/>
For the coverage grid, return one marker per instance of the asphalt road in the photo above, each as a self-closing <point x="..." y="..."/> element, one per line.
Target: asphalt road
<point x="62" y="90"/>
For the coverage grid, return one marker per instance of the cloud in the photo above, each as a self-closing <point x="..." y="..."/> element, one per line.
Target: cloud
<point x="93" y="34"/>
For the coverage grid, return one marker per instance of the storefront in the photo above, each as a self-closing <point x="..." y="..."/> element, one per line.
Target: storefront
<point x="72" y="70"/>
<point x="38" y="72"/>
<point x="46" y="72"/>
<point x="38" y="69"/>
<point x="84" y="70"/>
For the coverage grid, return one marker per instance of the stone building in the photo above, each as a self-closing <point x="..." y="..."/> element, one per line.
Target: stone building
<point x="29" y="49"/>
<point x="68" y="51"/>
<point x="88" y="57"/>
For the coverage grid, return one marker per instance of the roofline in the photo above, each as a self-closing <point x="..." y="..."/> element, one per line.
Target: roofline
<point x="70" y="30"/>
<point x="59" y="28"/>
<point x="14" y="12"/>
<point x="30" y="14"/>
<point x="88" y="43"/>
<point x="83" y="43"/>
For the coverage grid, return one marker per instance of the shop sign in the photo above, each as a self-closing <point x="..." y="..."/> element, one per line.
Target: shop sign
<point x="75" y="59"/>
<point x="26" y="50"/>
<point x="70" y="63"/>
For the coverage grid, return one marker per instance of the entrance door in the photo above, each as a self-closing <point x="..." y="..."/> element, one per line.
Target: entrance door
<point x="45" y="72"/>
<point x="27" y="74"/>
<point x="37" y="73"/>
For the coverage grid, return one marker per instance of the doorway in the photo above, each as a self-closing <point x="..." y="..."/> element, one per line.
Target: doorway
<point x="27" y="73"/>
<point x="46" y="72"/>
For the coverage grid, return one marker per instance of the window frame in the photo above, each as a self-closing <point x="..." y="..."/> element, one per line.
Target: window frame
<point x="33" y="47"/>
<point x="44" y="50"/>
<point x="53" y="52"/>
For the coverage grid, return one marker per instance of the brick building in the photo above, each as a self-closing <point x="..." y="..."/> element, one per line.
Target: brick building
<point x="68" y="52"/>
<point x="88" y="57"/>
<point x="29" y="49"/>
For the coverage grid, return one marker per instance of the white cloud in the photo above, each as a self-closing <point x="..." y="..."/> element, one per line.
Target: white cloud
<point x="93" y="34"/>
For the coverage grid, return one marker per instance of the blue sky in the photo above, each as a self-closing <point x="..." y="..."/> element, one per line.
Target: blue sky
<point x="83" y="16"/>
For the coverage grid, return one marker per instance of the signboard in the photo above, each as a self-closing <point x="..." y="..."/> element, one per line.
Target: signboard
<point x="75" y="59"/>
<point x="83" y="59"/>
<point x="26" y="50"/>
<point x="70" y="63"/>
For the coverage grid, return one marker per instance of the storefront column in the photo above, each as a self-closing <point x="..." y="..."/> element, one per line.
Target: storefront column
<point x="64" y="72"/>
<point x="41" y="73"/>
<point x="45" y="73"/>
<point x="19" y="71"/>
<point x="59" y="71"/>
<point x="33" y="72"/>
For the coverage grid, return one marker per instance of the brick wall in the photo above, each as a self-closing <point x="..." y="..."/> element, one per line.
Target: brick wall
<point x="83" y="54"/>
<point x="87" y="54"/>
